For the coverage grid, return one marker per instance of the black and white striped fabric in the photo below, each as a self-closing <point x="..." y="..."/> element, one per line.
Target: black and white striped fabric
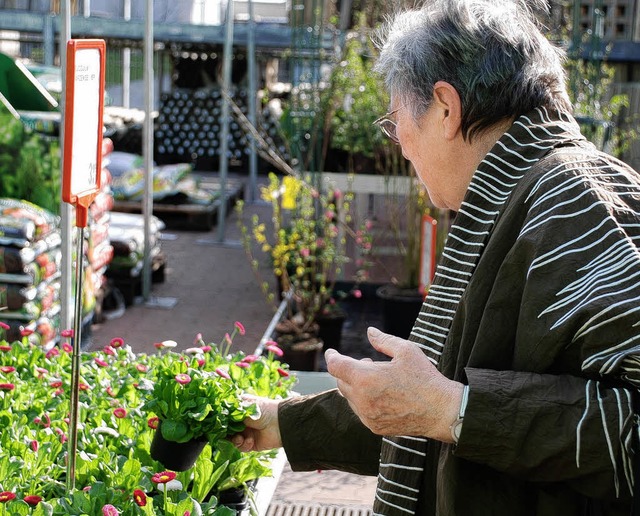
<point x="612" y="272"/>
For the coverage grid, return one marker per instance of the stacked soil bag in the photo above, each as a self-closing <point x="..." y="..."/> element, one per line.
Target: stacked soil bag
<point x="30" y="272"/>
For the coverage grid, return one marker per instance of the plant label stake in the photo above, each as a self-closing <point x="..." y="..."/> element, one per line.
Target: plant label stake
<point x="427" y="252"/>
<point x="81" y="171"/>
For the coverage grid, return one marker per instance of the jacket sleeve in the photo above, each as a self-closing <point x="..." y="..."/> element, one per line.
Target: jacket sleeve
<point x="321" y="431"/>
<point x="550" y="428"/>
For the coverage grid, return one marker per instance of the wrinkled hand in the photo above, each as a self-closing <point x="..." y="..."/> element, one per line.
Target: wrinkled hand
<point x="263" y="432"/>
<point x="405" y="396"/>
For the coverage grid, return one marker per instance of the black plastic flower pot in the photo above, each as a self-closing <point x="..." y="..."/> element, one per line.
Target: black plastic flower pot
<point x="400" y="309"/>
<point x="330" y="329"/>
<point x="234" y="498"/>
<point x="175" y="456"/>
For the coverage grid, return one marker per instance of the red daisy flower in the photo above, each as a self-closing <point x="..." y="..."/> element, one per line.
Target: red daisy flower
<point x="116" y="342"/>
<point x="140" y="497"/>
<point x="53" y="352"/>
<point x="240" y="327"/>
<point x="120" y="413"/>
<point x="183" y="378"/>
<point x="282" y="372"/>
<point x="6" y="496"/>
<point x="223" y="373"/>
<point x="7" y="386"/>
<point x="109" y="510"/>
<point x="153" y="422"/>
<point x="33" y="500"/>
<point x="67" y="333"/>
<point x="7" y="369"/>
<point x="275" y="350"/>
<point x="163" y="477"/>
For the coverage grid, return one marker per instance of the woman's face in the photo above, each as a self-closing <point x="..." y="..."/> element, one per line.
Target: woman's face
<point x="422" y="145"/>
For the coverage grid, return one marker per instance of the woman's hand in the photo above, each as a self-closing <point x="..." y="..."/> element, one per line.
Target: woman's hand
<point x="262" y="431"/>
<point x="405" y="396"/>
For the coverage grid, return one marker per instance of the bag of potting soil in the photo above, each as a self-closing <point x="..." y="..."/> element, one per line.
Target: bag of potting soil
<point x="98" y="231"/>
<point x="22" y="223"/>
<point x="23" y="266"/>
<point x="135" y="220"/>
<point x="28" y="302"/>
<point x="189" y="192"/>
<point x="127" y="240"/>
<point x="100" y="256"/>
<point x="102" y="204"/>
<point x="130" y="185"/>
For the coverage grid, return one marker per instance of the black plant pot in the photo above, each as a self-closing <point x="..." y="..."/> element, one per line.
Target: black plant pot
<point x="400" y="309"/>
<point x="330" y="329"/>
<point x="303" y="356"/>
<point x="234" y="498"/>
<point x="175" y="456"/>
<point x="301" y="348"/>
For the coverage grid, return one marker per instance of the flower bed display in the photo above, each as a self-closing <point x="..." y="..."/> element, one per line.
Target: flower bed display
<point x="115" y="473"/>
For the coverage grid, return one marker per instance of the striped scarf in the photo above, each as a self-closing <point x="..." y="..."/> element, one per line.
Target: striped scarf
<point x="531" y="137"/>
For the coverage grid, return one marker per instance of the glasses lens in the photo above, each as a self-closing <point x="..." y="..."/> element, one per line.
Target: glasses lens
<point x="389" y="128"/>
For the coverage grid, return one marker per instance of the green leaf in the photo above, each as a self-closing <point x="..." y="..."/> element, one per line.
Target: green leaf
<point x="173" y="430"/>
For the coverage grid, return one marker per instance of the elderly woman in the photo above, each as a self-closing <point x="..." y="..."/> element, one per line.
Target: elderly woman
<point x="514" y="393"/>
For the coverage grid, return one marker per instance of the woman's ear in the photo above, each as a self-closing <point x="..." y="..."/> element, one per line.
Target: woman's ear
<point x="447" y="101"/>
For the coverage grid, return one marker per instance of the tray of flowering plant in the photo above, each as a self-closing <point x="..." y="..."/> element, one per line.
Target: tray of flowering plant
<point x="125" y="398"/>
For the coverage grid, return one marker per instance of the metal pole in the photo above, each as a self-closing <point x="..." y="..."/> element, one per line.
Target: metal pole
<point x="126" y="62"/>
<point x="345" y="15"/>
<point x="224" y="138"/>
<point x="253" y="98"/>
<point x="48" y="39"/>
<point x="147" y="207"/>
<point x="66" y="229"/>
<point x="75" y="368"/>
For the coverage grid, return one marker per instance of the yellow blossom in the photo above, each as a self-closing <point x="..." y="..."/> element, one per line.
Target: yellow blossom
<point x="291" y="188"/>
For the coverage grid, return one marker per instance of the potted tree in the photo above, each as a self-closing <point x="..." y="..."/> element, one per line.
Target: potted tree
<point x="353" y="101"/>
<point x="305" y="244"/>
<point x="403" y="295"/>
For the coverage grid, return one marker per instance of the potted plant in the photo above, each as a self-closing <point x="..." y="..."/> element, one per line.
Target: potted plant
<point x="194" y="407"/>
<point x="403" y="295"/>
<point x="353" y="143"/>
<point x="306" y="244"/>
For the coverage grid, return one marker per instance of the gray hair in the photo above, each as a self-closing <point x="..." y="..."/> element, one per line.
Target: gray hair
<point x="491" y="51"/>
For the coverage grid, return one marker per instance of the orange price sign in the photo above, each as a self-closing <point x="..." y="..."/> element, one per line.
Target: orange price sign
<point x="84" y="104"/>
<point x="427" y="252"/>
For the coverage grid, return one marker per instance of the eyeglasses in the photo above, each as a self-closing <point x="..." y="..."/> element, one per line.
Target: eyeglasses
<point x="388" y="126"/>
